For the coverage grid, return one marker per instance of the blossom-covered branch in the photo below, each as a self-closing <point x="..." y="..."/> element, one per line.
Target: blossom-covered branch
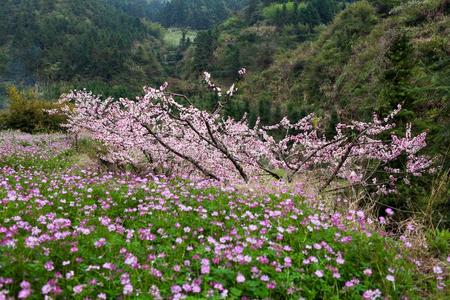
<point x="187" y="140"/>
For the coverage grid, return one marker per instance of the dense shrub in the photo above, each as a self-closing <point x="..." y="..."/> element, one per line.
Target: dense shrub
<point x="27" y="113"/>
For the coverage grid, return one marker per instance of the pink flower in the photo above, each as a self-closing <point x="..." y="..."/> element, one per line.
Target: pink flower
<point x="287" y="262"/>
<point x="25" y="285"/>
<point x="340" y="260"/>
<point x="176" y="289"/>
<point x="100" y="243"/>
<point x="437" y="270"/>
<point x="176" y="268"/>
<point x="25" y="292"/>
<point x="187" y="287"/>
<point x="204" y="269"/>
<point x="47" y="288"/>
<point x="127" y="289"/>
<point x="372" y="294"/>
<point x="240" y="278"/>
<point x="101" y="296"/>
<point x="78" y="289"/>
<point x="390" y="278"/>
<point x="351" y="283"/>
<point x="368" y="272"/>
<point x="271" y="285"/>
<point x="389" y="211"/>
<point x="319" y="273"/>
<point x="49" y="266"/>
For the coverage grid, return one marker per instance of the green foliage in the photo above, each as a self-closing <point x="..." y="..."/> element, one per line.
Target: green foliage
<point x="27" y="113"/>
<point x="205" y="44"/>
<point x="3" y="60"/>
<point x="310" y="12"/>
<point x="196" y="14"/>
<point x="439" y="242"/>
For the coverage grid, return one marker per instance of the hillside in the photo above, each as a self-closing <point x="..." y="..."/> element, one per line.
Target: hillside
<point x="367" y="59"/>
<point x="196" y="14"/>
<point x="79" y="43"/>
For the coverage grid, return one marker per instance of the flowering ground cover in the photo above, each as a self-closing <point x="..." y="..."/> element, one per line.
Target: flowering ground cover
<point x="67" y="232"/>
<point x="16" y="144"/>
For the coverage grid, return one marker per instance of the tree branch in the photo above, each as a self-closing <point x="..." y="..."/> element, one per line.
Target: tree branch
<point x="185" y="157"/>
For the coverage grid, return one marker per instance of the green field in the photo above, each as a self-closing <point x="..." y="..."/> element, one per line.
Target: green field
<point x="173" y="36"/>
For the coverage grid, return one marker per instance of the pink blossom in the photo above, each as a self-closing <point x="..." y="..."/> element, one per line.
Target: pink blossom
<point x="25" y="291"/>
<point x="100" y="243"/>
<point x="49" y="266"/>
<point x="176" y="289"/>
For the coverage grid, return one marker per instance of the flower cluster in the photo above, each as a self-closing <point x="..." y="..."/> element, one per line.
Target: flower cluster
<point x="14" y="143"/>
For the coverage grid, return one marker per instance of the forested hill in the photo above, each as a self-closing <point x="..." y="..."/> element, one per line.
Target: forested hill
<point x="374" y="56"/>
<point x="109" y="46"/>
<point x="46" y="41"/>
<point x="195" y="14"/>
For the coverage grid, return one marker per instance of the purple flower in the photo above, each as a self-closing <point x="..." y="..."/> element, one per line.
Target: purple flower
<point x="372" y="294"/>
<point x="390" y="278"/>
<point x="368" y="272"/>
<point x="78" y="288"/>
<point x="100" y="243"/>
<point x="240" y="278"/>
<point x="176" y="289"/>
<point x="319" y="273"/>
<point x="127" y="289"/>
<point x="49" y="266"/>
<point x="25" y="292"/>
<point x="437" y="270"/>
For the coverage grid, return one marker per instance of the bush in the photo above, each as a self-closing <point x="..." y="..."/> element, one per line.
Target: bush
<point x="27" y="113"/>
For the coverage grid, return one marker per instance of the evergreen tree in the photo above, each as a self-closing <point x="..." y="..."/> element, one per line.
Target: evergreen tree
<point x="205" y="44"/>
<point x="397" y="87"/>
